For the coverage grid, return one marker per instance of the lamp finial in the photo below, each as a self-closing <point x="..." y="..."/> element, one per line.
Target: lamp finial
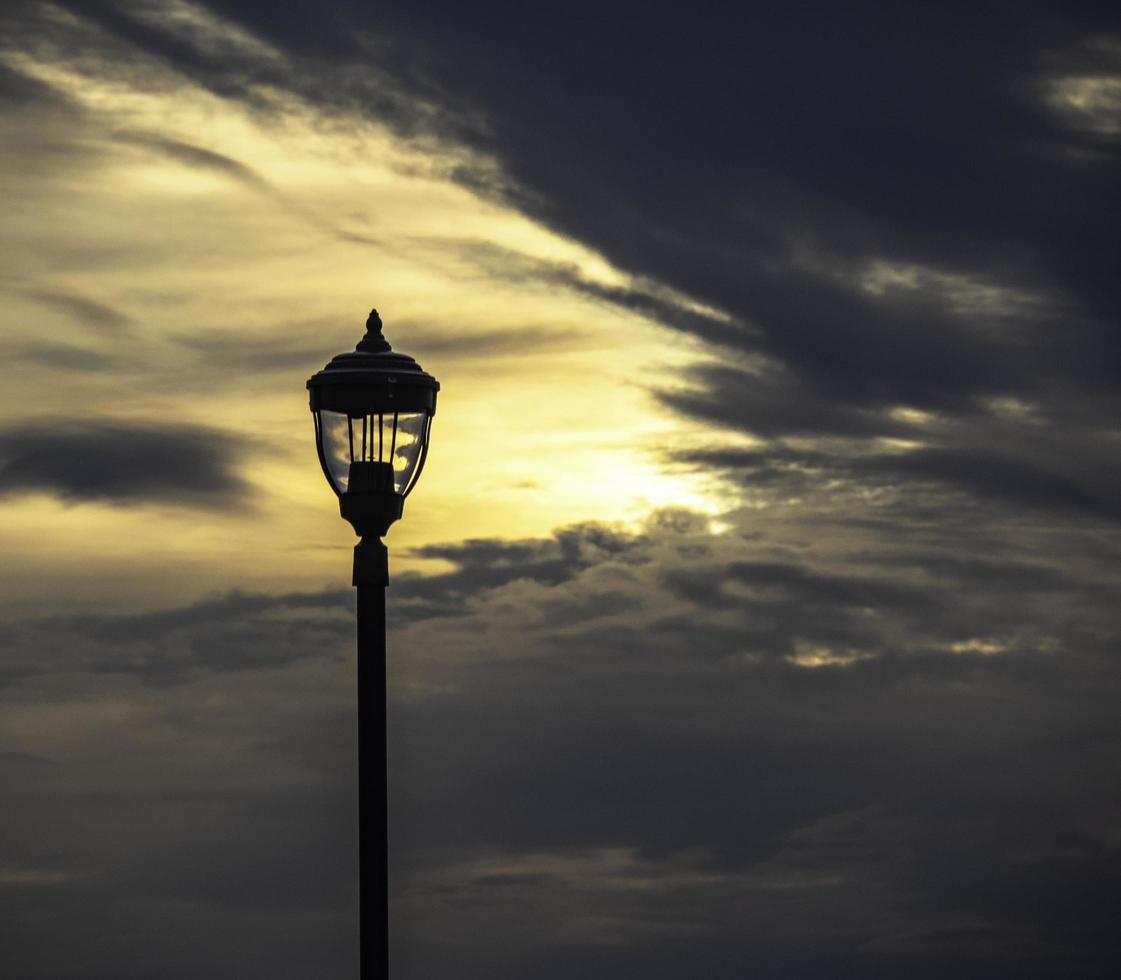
<point x="373" y="342"/>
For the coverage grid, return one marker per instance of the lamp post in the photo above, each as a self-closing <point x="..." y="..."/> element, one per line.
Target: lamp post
<point x="373" y="411"/>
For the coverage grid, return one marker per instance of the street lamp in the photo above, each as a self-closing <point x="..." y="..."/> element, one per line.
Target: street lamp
<point x="373" y="411"/>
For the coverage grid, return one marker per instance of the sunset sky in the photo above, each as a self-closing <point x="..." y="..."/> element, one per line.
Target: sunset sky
<point x="757" y="612"/>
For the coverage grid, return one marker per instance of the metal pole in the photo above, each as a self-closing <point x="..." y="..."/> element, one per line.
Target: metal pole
<point x="371" y="576"/>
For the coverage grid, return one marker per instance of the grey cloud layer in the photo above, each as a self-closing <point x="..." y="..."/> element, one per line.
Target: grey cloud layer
<point x="828" y="748"/>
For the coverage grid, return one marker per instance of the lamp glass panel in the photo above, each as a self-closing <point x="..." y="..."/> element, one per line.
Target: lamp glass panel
<point x="335" y="436"/>
<point x="412" y="429"/>
<point x="387" y="437"/>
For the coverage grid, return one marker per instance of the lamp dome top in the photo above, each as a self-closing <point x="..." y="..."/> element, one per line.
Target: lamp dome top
<point x="373" y="374"/>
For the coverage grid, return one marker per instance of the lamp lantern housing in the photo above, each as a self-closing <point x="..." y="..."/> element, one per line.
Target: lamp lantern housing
<point x="373" y="410"/>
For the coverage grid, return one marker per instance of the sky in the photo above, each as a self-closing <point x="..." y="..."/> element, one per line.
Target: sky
<point x="756" y="612"/>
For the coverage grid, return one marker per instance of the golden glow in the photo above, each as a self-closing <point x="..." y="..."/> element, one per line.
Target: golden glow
<point x="912" y="416"/>
<point x="232" y="253"/>
<point x="821" y="656"/>
<point x="1089" y="101"/>
<point x="984" y="647"/>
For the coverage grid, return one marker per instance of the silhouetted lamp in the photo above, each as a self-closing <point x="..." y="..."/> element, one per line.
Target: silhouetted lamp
<point x="373" y="411"/>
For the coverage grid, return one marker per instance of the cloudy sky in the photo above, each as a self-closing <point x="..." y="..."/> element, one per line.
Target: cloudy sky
<point x="756" y="615"/>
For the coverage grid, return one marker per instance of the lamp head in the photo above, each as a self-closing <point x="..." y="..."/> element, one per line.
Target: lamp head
<point x="373" y="410"/>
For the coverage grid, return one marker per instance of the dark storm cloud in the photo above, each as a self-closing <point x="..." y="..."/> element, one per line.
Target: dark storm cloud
<point x="888" y="208"/>
<point x="743" y="213"/>
<point x="121" y="463"/>
<point x="758" y="158"/>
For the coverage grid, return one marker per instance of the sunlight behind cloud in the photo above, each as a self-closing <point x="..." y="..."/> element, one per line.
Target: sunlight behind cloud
<point x="189" y="259"/>
<point x="1089" y="102"/>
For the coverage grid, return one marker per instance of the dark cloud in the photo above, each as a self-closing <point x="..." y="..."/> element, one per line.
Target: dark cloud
<point x="233" y="633"/>
<point x="612" y="748"/>
<point x="1014" y="481"/>
<point x="768" y="745"/>
<point x="492" y="563"/>
<point x="770" y="403"/>
<point x="857" y="195"/>
<point x="857" y="192"/>
<point x="1038" y="476"/>
<point x="122" y="463"/>
<point x="867" y="730"/>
